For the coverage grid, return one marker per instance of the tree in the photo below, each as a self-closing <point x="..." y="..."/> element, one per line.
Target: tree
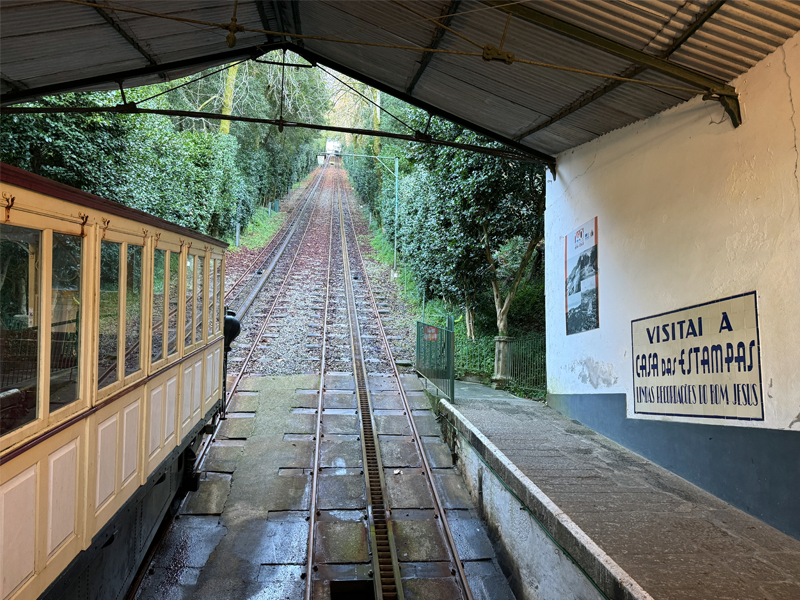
<point x="193" y="172"/>
<point x="495" y="209"/>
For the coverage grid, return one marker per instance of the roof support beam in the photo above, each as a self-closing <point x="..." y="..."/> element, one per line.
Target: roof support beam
<point x="262" y="15"/>
<point x="122" y="28"/>
<point x="628" y="73"/>
<point x="206" y="61"/>
<point x="298" y="28"/>
<point x="435" y="41"/>
<point x="13" y="83"/>
<point x="711" y="85"/>
<point x="278" y="17"/>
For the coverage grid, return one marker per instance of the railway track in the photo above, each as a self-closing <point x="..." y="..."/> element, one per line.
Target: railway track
<point x="266" y="295"/>
<point x="361" y="310"/>
<point x="319" y="292"/>
<point x="243" y="292"/>
<point x="275" y="261"/>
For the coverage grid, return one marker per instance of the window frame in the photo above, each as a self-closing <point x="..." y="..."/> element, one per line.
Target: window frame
<point x="170" y="249"/>
<point x="45" y="419"/>
<point x="218" y="317"/>
<point x="199" y="254"/>
<point x="124" y="239"/>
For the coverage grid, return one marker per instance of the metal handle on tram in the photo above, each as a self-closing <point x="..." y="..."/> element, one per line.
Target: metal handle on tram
<point x="230" y="331"/>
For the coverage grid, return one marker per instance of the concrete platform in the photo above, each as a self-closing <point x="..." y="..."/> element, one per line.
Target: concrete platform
<point x="635" y="529"/>
<point x="252" y="508"/>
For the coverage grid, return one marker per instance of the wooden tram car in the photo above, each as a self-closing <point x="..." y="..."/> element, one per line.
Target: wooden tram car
<point x="111" y="365"/>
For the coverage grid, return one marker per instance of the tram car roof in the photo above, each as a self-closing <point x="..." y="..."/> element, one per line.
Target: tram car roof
<point x="36" y="183"/>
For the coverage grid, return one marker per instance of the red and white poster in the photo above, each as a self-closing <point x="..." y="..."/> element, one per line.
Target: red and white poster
<point x="580" y="277"/>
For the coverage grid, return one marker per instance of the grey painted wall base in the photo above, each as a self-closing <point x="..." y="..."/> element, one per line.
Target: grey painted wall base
<point x="755" y="470"/>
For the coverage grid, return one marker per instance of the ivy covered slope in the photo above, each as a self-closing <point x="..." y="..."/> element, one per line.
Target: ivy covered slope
<point x="202" y="174"/>
<point x="469" y="225"/>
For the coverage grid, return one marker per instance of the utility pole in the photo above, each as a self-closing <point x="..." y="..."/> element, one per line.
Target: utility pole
<point x="396" y="194"/>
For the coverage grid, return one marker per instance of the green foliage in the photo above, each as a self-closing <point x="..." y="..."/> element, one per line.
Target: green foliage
<point x="182" y="170"/>
<point x="262" y="228"/>
<point x="454" y="203"/>
<point x="85" y="150"/>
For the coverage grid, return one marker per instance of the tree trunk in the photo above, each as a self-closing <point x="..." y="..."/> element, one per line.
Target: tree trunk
<point x="502" y="306"/>
<point x="227" y="99"/>
<point x="376" y="120"/>
<point x="469" y="315"/>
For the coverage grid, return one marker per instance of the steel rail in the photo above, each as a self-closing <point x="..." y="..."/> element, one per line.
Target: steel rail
<point x="270" y="247"/>
<point x="386" y="567"/>
<point x="439" y="511"/>
<point x="207" y="442"/>
<point x="244" y="307"/>
<point x="318" y="430"/>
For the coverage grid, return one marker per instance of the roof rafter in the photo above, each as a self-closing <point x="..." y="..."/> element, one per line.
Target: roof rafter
<point x="725" y="93"/>
<point x="13" y="83"/>
<point x="630" y="72"/>
<point x="276" y="6"/>
<point x="435" y="41"/>
<point x="262" y="15"/>
<point x="206" y="61"/>
<point x="298" y="28"/>
<point x="122" y="28"/>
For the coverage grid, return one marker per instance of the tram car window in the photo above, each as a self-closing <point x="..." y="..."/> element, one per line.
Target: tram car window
<point x="65" y="316"/>
<point x="111" y="362"/>
<point x="198" y="319"/>
<point x="133" y="310"/>
<point x="110" y="315"/>
<point x="20" y="285"/>
<point x="159" y="303"/>
<point x="190" y="287"/>
<point x="173" y="300"/>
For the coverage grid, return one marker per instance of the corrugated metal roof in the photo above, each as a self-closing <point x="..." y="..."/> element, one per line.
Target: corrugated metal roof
<point x="59" y="44"/>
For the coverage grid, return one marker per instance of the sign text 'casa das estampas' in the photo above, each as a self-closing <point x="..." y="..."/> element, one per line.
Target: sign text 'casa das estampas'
<point x="701" y="361"/>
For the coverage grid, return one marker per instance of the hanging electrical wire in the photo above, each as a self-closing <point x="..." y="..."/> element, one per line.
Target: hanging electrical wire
<point x="344" y="83"/>
<point x="489" y="53"/>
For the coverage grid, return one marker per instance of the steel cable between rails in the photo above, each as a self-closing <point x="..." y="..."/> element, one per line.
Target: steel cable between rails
<point x="275" y="241"/>
<point x="318" y="429"/>
<point x="415" y="433"/>
<point x="386" y="567"/>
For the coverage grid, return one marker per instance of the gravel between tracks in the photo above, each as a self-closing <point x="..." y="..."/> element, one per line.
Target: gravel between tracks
<point x="291" y="342"/>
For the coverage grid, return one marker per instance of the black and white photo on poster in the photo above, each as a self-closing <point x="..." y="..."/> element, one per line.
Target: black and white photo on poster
<point x="581" y="278"/>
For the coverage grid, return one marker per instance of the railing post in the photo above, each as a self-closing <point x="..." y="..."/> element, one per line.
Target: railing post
<point x="451" y="359"/>
<point x="502" y="357"/>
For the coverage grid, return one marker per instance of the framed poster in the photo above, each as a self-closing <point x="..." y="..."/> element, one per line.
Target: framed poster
<point x="580" y="274"/>
<point x="700" y="361"/>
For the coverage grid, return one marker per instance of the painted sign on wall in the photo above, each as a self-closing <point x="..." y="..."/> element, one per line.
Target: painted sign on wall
<point x="580" y="274"/>
<point x="701" y="361"/>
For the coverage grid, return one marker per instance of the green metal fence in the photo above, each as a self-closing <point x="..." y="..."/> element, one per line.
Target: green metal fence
<point x="527" y="365"/>
<point x="435" y="356"/>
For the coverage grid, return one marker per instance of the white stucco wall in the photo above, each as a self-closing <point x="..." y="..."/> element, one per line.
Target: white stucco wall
<point x="689" y="210"/>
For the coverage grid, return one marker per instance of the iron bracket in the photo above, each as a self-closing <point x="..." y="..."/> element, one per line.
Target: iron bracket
<point x="491" y="53"/>
<point x="731" y="106"/>
<point x="9" y="204"/>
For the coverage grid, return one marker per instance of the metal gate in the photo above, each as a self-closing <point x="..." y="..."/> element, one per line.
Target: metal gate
<point x="436" y="356"/>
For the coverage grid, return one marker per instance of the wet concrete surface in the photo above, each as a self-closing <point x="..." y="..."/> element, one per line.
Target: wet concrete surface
<point x="258" y="484"/>
<point x="674" y="539"/>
